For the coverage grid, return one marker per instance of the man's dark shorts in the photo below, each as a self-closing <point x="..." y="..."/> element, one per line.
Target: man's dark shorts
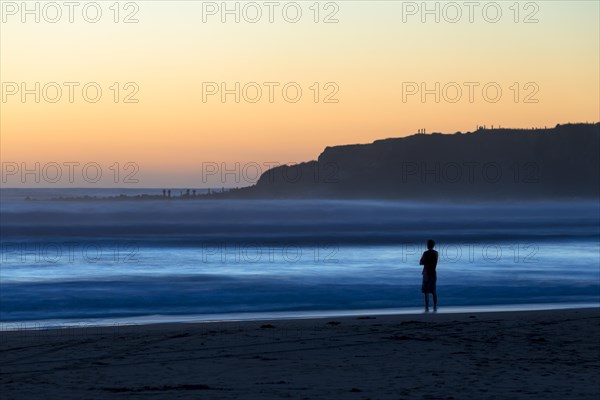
<point x="428" y="285"/>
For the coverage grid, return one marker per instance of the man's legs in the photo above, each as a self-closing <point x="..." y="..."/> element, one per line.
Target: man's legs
<point x="426" y="301"/>
<point x="434" y="300"/>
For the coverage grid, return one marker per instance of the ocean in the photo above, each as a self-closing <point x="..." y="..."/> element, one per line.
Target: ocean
<point x="68" y="259"/>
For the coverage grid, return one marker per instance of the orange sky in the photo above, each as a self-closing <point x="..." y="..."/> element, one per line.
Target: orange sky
<point x="368" y="56"/>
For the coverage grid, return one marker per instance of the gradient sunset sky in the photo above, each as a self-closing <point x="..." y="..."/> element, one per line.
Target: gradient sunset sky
<point x="368" y="54"/>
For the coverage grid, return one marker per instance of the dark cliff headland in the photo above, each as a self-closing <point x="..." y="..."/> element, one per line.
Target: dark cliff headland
<point x="556" y="163"/>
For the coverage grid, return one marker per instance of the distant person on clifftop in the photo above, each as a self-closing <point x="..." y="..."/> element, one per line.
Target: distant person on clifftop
<point x="429" y="261"/>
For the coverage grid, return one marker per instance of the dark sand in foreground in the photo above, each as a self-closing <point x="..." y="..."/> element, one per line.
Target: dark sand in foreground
<point x="509" y="355"/>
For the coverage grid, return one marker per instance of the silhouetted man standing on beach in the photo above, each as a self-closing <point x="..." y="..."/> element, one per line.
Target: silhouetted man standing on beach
<point x="429" y="261"/>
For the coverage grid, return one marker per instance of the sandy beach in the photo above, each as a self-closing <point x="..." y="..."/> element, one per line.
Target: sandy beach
<point x="497" y="355"/>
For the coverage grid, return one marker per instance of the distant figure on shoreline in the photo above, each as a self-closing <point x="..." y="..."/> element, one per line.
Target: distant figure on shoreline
<point x="429" y="261"/>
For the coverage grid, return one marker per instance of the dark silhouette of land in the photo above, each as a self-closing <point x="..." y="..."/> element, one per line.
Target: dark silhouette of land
<point x="559" y="162"/>
<point x="489" y="164"/>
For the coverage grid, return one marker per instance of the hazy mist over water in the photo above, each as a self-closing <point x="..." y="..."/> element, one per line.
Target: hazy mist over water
<point x="118" y="258"/>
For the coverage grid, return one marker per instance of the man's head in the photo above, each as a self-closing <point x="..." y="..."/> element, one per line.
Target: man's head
<point x="430" y="244"/>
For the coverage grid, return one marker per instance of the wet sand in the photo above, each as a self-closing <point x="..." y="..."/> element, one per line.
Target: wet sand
<point x="498" y="355"/>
